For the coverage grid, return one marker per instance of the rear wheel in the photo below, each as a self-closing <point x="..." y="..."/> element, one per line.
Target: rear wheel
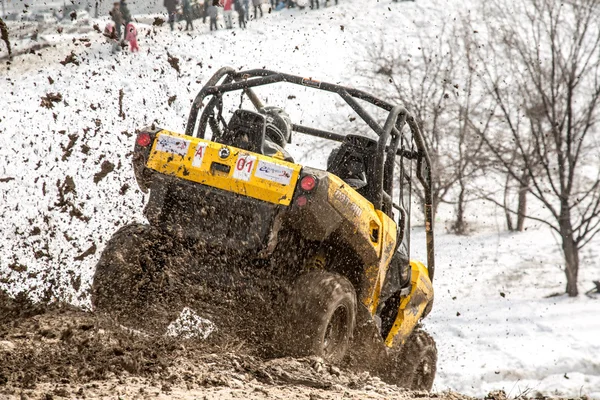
<point x="322" y="316"/>
<point x="415" y="365"/>
<point x="131" y="281"/>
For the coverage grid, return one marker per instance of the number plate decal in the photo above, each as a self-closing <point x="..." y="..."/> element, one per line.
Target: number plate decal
<point x="274" y="172"/>
<point x="199" y="154"/>
<point x="243" y="167"/>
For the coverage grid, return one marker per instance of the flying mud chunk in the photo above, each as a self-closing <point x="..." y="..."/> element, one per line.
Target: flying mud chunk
<point x="190" y="325"/>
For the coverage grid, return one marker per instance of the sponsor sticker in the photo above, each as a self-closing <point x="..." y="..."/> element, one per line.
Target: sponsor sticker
<point x="243" y="167"/>
<point x="273" y="172"/>
<point x="347" y="203"/>
<point x="172" y="144"/>
<point x="199" y="154"/>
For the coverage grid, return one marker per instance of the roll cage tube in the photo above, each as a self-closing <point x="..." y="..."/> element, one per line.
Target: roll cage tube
<point x="231" y="80"/>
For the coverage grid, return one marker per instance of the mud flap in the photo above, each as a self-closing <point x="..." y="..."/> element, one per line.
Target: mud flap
<point x="367" y="350"/>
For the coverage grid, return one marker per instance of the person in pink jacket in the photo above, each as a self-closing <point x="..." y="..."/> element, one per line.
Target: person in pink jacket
<point x="227" y="11"/>
<point x="131" y="37"/>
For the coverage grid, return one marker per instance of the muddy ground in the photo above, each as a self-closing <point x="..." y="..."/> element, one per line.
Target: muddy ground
<point x="58" y="351"/>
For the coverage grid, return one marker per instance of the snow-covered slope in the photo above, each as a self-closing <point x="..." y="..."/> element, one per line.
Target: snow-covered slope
<point x="66" y="183"/>
<point x="495" y="325"/>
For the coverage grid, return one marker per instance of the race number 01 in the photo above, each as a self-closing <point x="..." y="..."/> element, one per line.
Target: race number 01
<point x="244" y="163"/>
<point x="243" y="167"/>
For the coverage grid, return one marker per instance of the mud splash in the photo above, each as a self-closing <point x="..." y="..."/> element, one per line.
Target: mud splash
<point x="57" y="351"/>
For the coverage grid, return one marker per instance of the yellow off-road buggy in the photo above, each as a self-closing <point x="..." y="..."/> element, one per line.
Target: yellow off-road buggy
<point x="318" y="258"/>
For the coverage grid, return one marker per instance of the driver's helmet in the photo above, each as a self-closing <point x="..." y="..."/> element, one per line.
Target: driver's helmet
<point x="279" y="125"/>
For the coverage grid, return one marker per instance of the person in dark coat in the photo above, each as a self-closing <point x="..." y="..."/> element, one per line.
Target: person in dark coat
<point x="187" y="14"/>
<point x="213" y="12"/>
<point x="257" y="7"/>
<point x="239" y="7"/>
<point x="247" y="9"/>
<point x="171" y="6"/>
<point x="125" y="14"/>
<point x="117" y="17"/>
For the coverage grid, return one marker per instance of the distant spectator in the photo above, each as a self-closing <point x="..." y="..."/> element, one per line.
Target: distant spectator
<point x="312" y="4"/>
<point x="273" y="5"/>
<point x="117" y="17"/>
<point x="213" y="11"/>
<point x="125" y="14"/>
<point x="171" y="6"/>
<point x="187" y="14"/>
<point x="131" y="37"/>
<point x="247" y="9"/>
<point x="281" y="5"/>
<point x="109" y="31"/>
<point x="257" y="5"/>
<point x="239" y="7"/>
<point x="205" y="13"/>
<point x="227" y="11"/>
<point x="111" y="36"/>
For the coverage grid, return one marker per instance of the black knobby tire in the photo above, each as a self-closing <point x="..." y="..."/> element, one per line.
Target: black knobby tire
<point x="128" y="278"/>
<point x="417" y="362"/>
<point x="321" y="316"/>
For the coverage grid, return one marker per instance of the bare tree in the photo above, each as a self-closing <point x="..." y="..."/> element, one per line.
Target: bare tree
<point x="509" y="187"/>
<point x="543" y="71"/>
<point x="422" y="84"/>
<point x="436" y="85"/>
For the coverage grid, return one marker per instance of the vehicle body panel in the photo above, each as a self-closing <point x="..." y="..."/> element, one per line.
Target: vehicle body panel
<point x="242" y="172"/>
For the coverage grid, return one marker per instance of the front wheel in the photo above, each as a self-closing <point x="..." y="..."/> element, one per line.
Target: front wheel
<point x="415" y="365"/>
<point x="321" y="316"/>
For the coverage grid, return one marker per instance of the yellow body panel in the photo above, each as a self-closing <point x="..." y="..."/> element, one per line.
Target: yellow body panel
<point x="412" y="306"/>
<point x="198" y="160"/>
<point x="388" y="238"/>
<point x="378" y="230"/>
<point x="352" y="206"/>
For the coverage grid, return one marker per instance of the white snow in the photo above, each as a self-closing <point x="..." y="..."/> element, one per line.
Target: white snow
<point x="509" y="334"/>
<point x="189" y="325"/>
<point x="496" y="328"/>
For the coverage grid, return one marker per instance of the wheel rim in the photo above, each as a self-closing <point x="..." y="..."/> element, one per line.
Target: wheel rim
<point x="423" y="375"/>
<point x="335" y="333"/>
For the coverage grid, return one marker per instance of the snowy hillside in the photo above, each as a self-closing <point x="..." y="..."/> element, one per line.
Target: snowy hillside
<point x="66" y="183"/>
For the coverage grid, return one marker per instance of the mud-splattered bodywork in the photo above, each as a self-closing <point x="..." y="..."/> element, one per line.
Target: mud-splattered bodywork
<point x="234" y="199"/>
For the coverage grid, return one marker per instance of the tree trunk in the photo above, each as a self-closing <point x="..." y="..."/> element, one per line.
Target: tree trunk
<point x="522" y="207"/>
<point x="572" y="265"/>
<point x="459" y="226"/>
<point x="570" y="250"/>
<point x="507" y="214"/>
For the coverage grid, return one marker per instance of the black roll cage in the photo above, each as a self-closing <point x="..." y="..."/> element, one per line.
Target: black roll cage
<point x="231" y="80"/>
